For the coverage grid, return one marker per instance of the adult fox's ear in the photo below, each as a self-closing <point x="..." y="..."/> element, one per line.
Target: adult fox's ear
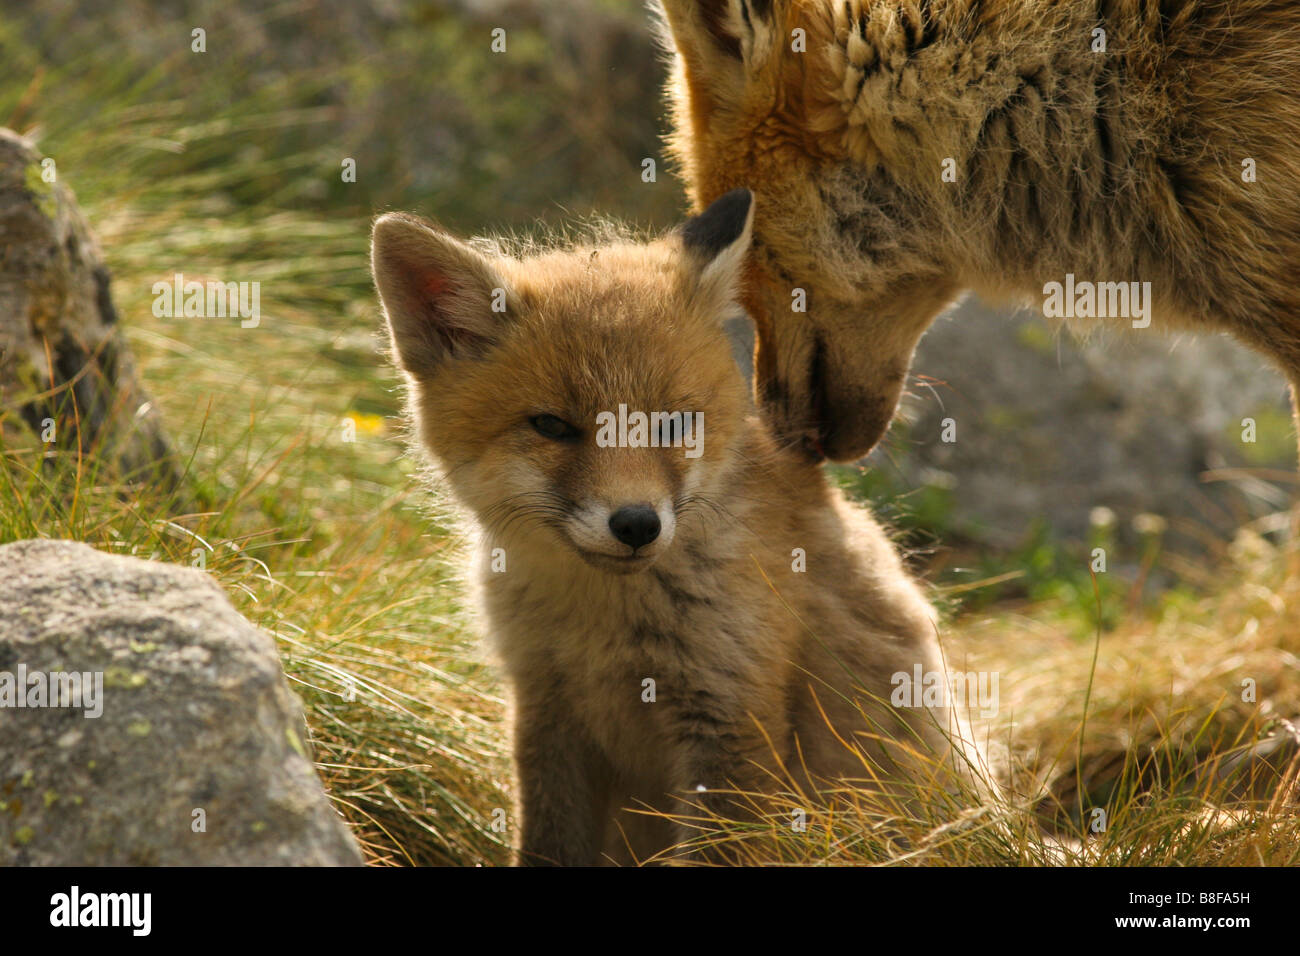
<point x="700" y="24"/>
<point x="716" y="243"/>
<point x="720" y="39"/>
<point x="707" y="29"/>
<point x="441" y="298"/>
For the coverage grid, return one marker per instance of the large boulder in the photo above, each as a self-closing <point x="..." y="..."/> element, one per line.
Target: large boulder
<point x="64" y="363"/>
<point x="193" y="752"/>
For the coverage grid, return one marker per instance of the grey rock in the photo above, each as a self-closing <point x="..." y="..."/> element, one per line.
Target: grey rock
<point x="196" y="716"/>
<point x="1052" y="423"/>
<point x="63" y="358"/>
<point x="1051" y="426"/>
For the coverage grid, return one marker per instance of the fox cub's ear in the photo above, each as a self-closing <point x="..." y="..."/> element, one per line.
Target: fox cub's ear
<point x="441" y="298"/>
<point x="716" y="243"/>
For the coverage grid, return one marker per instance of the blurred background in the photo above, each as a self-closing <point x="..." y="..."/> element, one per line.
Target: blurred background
<point x="1175" y="455"/>
<point x="229" y="162"/>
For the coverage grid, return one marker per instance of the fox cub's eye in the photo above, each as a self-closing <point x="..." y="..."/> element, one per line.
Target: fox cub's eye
<point x="548" y="426"/>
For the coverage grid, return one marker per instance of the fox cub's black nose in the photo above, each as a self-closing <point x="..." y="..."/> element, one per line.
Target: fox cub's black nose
<point x="635" y="525"/>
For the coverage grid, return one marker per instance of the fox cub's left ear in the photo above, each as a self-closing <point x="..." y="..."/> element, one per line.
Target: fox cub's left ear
<point x="443" y="300"/>
<point x="716" y="243"/>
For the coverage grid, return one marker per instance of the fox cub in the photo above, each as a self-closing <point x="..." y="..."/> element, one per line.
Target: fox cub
<point x="681" y="607"/>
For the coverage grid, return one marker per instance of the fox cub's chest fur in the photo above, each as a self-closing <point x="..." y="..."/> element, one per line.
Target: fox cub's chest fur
<point x="645" y="661"/>
<point x="676" y="618"/>
<point x="718" y="666"/>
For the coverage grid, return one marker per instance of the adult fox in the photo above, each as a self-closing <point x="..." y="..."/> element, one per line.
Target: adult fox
<point x="903" y="152"/>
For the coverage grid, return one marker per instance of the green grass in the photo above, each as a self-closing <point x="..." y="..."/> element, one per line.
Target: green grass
<point x="227" y="167"/>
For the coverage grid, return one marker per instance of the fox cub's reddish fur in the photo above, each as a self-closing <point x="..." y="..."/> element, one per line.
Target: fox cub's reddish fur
<point x="603" y="569"/>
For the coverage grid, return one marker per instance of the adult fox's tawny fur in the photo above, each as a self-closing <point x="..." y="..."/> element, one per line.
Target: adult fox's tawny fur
<point x="764" y="608"/>
<point x="1118" y="141"/>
